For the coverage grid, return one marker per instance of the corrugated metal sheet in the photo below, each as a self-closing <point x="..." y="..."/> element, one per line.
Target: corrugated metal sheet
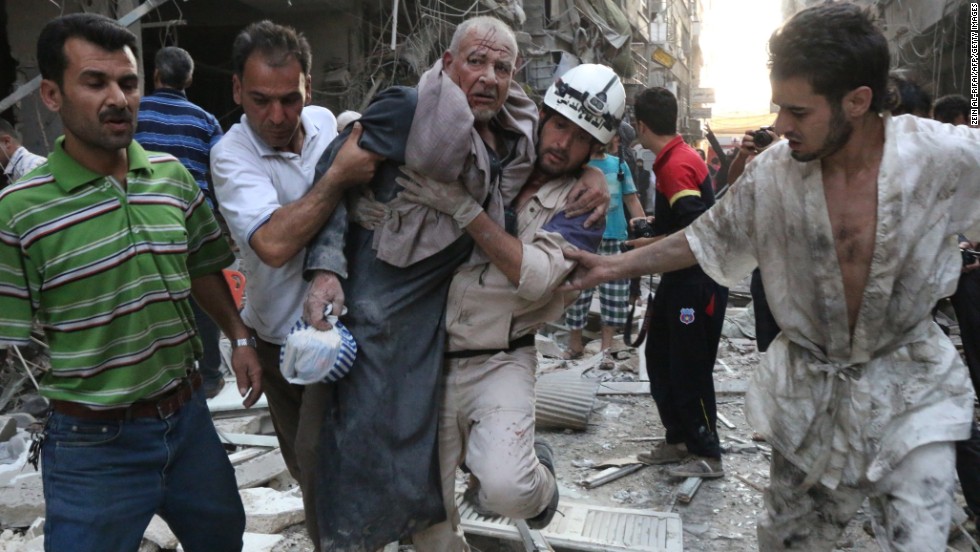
<point x="564" y="400"/>
<point x="590" y="528"/>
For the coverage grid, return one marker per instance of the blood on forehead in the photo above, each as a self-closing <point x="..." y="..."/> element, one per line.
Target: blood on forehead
<point x="489" y="42"/>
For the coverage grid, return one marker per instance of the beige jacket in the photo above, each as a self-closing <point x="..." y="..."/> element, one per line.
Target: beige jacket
<point x="443" y="145"/>
<point x="486" y="311"/>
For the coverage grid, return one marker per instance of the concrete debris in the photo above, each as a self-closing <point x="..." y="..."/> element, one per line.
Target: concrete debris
<point x="160" y="535"/>
<point x="22" y="499"/>
<point x="13" y="448"/>
<point x="547" y="347"/>
<point x="8" y="427"/>
<point x="739" y="323"/>
<point x="690" y="486"/>
<point x="34" y="545"/>
<point x="35" y="530"/>
<point x="611" y="474"/>
<point x="260" y="470"/>
<point x="269" y="511"/>
<point x="254" y="424"/>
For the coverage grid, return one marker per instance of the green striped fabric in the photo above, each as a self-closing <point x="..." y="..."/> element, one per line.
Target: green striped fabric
<point x="107" y="273"/>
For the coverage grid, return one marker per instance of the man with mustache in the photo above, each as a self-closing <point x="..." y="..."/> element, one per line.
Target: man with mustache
<point x="264" y="181"/>
<point x="102" y="247"/>
<point x="467" y="120"/>
<point x="852" y="220"/>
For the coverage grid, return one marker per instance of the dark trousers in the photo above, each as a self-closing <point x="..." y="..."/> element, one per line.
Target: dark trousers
<point x="682" y="343"/>
<point x="297" y="412"/>
<point x="210" y="363"/>
<point x="766" y="328"/>
<point x="966" y="303"/>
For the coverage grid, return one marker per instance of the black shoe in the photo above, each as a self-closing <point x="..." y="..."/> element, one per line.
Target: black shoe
<point x="547" y="458"/>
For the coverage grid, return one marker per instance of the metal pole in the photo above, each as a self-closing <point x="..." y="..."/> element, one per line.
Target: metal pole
<point x="132" y="17"/>
<point x="394" y="25"/>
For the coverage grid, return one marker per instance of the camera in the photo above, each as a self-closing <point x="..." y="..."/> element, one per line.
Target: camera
<point x="639" y="229"/>
<point x="761" y="137"/>
<point x="969" y="256"/>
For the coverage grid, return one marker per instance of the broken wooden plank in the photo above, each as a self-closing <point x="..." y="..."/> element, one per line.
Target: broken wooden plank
<point x="726" y="421"/>
<point x="245" y="439"/>
<point x="611" y="474"/>
<point x="642" y="387"/>
<point x="644" y="439"/>
<point x="624" y="388"/>
<point x="750" y="483"/>
<point x="245" y="455"/>
<point x="687" y="489"/>
<point x="533" y="540"/>
<point x="260" y="470"/>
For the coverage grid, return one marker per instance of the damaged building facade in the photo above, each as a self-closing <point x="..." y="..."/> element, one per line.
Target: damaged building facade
<point x="929" y="40"/>
<point x="362" y="46"/>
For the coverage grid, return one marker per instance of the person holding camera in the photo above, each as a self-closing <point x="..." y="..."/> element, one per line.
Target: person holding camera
<point x="753" y="143"/>
<point x="688" y="310"/>
<point x="614" y="295"/>
<point x="954" y="109"/>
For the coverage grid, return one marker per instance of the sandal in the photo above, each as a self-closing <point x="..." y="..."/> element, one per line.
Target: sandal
<point x="608" y="361"/>
<point x="572" y="355"/>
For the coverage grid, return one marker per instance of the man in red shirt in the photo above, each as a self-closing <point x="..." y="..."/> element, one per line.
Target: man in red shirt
<point x="689" y="308"/>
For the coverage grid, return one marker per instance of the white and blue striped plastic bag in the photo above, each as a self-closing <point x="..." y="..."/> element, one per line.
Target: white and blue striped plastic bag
<point x="314" y="356"/>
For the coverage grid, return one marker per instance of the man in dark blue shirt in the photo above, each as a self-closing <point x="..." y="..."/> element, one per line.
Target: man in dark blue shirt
<point x="170" y="123"/>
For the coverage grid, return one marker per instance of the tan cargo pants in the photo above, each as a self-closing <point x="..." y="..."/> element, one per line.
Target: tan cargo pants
<point x="487" y="421"/>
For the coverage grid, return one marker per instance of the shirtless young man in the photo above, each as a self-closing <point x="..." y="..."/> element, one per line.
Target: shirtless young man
<point x="852" y="221"/>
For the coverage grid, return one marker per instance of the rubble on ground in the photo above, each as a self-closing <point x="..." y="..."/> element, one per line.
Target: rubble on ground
<point x="595" y="466"/>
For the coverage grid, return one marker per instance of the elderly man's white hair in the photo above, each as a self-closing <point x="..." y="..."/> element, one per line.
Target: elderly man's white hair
<point x="483" y="24"/>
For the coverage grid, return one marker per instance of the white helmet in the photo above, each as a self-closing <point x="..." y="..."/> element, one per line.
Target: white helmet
<point x="592" y="97"/>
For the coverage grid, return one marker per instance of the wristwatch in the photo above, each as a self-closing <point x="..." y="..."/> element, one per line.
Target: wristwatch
<point x="244" y="342"/>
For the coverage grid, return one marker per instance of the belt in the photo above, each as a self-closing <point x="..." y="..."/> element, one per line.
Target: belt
<point x="161" y="407"/>
<point x="523" y="341"/>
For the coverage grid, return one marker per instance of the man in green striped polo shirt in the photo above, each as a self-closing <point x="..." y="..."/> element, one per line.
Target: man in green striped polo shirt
<point x="103" y="246"/>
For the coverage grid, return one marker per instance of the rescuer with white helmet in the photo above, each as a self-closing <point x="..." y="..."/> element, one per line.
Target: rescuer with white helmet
<point x="494" y="308"/>
<point x="593" y="97"/>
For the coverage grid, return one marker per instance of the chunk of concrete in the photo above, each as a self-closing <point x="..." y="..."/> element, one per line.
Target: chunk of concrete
<point x="260" y="470"/>
<point x="256" y="542"/>
<point x="8" y="427"/>
<point x="34" y="545"/>
<point x="10" y="540"/>
<point x="35" y="530"/>
<point x="21" y="499"/>
<point x="547" y="347"/>
<point x="239" y="424"/>
<point x="159" y="533"/>
<point x="269" y="512"/>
